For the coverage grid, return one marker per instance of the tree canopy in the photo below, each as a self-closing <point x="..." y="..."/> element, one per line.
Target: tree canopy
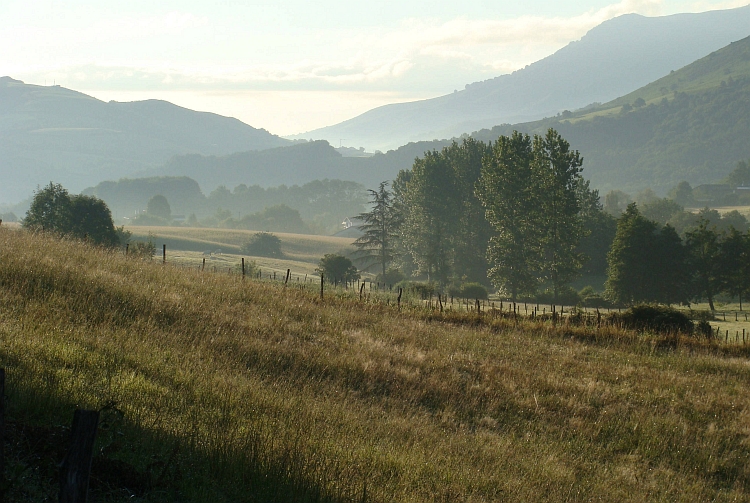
<point x="53" y="209"/>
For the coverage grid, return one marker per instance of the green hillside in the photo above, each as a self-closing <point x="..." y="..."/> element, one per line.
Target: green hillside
<point x="691" y="125"/>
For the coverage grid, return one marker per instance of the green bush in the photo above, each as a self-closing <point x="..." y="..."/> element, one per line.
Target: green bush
<point x="661" y="319"/>
<point x="591" y="298"/>
<point x="566" y="297"/>
<point x="337" y="269"/>
<point x="392" y="277"/>
<point x="473" y="291"/>
<point x="422" y="289"/>
<point x="263" y="244"/>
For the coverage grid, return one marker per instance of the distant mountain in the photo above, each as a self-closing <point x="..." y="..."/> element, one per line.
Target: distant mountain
<point x="611" y="60"/>
<point x="692" y="125"/>
<point x="52" y="133"/>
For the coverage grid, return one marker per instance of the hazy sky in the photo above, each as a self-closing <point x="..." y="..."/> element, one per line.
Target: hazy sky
<point x="290" y="66"/>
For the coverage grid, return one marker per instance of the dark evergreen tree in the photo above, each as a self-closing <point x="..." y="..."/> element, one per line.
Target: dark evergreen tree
<point x="379" y="225"/>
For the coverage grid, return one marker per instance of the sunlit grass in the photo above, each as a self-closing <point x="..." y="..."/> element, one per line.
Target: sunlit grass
<point x="234" y="390"/>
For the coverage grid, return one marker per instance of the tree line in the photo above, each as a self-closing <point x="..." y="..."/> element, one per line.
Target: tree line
<point x="518" y="213"/>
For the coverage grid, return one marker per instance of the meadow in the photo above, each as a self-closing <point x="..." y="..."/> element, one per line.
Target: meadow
<point x="221" y="247"/>
<point x="217" y="389"/>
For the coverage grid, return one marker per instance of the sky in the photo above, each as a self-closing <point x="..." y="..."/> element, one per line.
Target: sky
<point x="291" y="66"/>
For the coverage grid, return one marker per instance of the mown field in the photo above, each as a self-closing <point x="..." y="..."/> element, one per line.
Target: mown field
<point x="221" y="247"/>
<point x="217" y="389"/>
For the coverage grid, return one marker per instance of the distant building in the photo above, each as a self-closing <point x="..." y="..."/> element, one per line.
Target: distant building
<point x="351" y="228"/>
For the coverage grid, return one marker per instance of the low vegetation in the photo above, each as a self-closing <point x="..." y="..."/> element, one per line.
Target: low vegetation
<point x="217" y="389"/>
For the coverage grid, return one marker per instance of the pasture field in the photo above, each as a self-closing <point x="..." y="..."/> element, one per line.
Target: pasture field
<point x="188" y="246"/>
<point x="217" y="389"/>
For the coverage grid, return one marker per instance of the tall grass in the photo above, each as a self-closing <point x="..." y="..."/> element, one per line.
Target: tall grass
<point x="218" y="389"/>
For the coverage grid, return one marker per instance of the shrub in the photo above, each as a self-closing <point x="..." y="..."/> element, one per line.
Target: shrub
<point x="142" y="249"/>
<point x="263" y="244"/>
<point x="392" y="277"/>
<point x="473" y="291"/>
<point x="704" y="328"/>
<point x="591" y="298"/>
<point x="337" y="268"/>
<point x="661" y="319"/>
<point x="423" y="290"/>
<point x="565" y="296"/>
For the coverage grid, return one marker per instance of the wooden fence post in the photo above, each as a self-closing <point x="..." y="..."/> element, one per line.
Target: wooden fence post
<point x="163" y="254"/>
<point x="243" y="268"/>
<point x="398" y="300"/>
<point x="361" y="289"/>
<point x="288" y="273"/>
<point x="203" y="267"/>
<point x="76" y="467"/>
<point x="321" y="286"/>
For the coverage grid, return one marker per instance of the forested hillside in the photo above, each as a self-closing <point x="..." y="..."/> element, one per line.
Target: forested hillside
<point x="296" y="164"/>
<point x="321" y="204"/>
<point x="692" y="125"/>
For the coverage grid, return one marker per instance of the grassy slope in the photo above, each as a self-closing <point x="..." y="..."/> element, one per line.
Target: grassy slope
<point x="707" y="73"/>
<point x="245" y="391"/>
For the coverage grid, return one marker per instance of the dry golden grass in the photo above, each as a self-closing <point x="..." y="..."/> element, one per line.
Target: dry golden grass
<point x="299" y="247"/>
<point x="266" y="393"/>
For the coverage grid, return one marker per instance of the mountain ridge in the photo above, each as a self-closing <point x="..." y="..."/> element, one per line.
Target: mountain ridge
<point x="53" y="132"/>
<point x="615" y="57"/>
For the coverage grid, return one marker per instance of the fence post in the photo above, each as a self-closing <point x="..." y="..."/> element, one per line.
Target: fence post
<point x="398" y="300"/>
<point x="127" y="246"/>
<point x="163" y="254"/>
<point x="243" y="268"/>
<point x="76" y="467"/>
<point x="321" y="286"/>
<point x="288" y="272"/>
<point x="361" y="289"/>
<point x="203" y="267"/>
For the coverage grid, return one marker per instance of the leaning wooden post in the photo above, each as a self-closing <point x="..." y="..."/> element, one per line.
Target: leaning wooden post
<point x="321" y="286"/>
<point x="361" y="289"/>
<point x="398" y="300"/>
<point x="288" y="273"/>
<point x="76" y="467"/>
<point x="163" y="254"/>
